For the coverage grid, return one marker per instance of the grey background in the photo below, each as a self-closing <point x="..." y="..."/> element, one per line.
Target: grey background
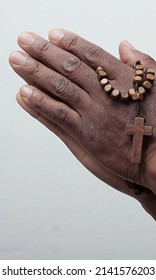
<point x="51" y="207"/>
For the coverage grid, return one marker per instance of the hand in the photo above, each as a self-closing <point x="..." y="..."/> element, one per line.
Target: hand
<point x="148" y="200"/>
<point x="95" y="130"/>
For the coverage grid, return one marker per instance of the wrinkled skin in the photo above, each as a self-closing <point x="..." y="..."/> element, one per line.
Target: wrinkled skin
<point x="67" y="98"/>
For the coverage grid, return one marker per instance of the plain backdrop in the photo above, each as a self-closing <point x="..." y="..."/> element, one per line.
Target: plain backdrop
<point x="51" y="207"/>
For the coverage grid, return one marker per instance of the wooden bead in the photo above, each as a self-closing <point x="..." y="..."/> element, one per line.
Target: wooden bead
<point x="142" y="81"/>
<point x="135" y="96"/>
<point x="104" y="82"/>
<point x="141" y="90"/>
<point x="150" y="77"/>
<point x="124" y="96"/>
<point x="142" y="93"/>
<point x="139" y="67"/>
<point x="139" y="73"/>
<point x="100" y="68"/>
<point x="136" y="63"/>
<point x="115" y="94"/>
<point x="101" y="74"/>
<point x="151" y="71"/>
<point x="131" y="91"/>
<point x="147" y="85"/>
<point x="137" y="79"/>
<point x="108" y="88"/>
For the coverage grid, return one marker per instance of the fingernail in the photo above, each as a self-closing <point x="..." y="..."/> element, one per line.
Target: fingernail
<point x="56" y="34"/>
<point x="129" y="45"/>
<point x="18" y="58"/>
<point x="26" y="38"/>
<point x="26" y="92"/>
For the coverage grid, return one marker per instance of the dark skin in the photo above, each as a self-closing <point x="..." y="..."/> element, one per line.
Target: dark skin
<point x="64" y="85"/>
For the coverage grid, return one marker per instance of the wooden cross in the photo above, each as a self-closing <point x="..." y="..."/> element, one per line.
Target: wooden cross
<point x="138" y="130"/>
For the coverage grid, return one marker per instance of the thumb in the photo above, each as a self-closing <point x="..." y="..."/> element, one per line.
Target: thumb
<point x="129" y="55"/>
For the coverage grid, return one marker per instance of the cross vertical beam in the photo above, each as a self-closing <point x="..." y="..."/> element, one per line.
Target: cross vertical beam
<point x="138" y="130"/>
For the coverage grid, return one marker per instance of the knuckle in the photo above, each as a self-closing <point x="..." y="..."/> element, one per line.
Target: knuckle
<point x="71" y="64"/>
<point x="59" y="115"/>
<point x="34" y="68"/>
<point x="61" y="84"/>
<point x="67" y="90"/>
<point x="42" y="49"/>
<point x="70" y="42"/>
<point x="93" y="54"/>
<point x="39" y="101"/>
<point x="75" y="96"/>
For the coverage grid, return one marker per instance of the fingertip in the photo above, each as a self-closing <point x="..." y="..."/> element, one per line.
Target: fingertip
<point x="10" y="57"/>
<point x="18" y="95"/>
<point x="127" y="44"/>
<point x="20" y="100"/>
<point x="25" y="105"/>
<point x="55" y="35"/>
<point x="127" y="52"/>
<point x="125" y="47"/>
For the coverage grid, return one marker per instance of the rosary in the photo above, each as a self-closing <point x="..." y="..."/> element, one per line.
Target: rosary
<point x="143" y="82"/>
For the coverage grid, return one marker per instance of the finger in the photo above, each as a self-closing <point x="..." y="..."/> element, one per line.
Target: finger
<point x="31" y="70"/>
<point x="53" y="110"/>
<point x="129" y="55"/>
<point x="57" y="59"/>
<point x="91" y="54"/>
<point x="39" y="117"/>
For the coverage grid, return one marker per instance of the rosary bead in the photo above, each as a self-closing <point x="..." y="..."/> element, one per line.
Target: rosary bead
<point x="137" y="79"/>
<point x="139" y="67"/>
<point x="142" y="93"/>
<point x="141" y="90"/>
<point x="150" y="77"/>
<point x="136" y="63"/>
<point x="124" y="96"/>
<point x="108" y="88"/>
<point x="100" y="68"/>
<point x="139" y="73"/>
<point x="104" y="82"/>
<point x="115" y="94"/>
<point x="151" y="71"/>
<point x="135" y="96"/>
<point x="101" y="74"/>
<point x="131" y="91"/>
<point x="147" y="85"/>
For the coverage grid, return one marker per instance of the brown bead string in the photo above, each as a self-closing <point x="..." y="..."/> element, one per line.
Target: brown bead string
<point x="143" y="81"/>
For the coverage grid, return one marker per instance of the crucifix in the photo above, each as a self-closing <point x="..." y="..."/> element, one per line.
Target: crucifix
<point x="138" y="130"/>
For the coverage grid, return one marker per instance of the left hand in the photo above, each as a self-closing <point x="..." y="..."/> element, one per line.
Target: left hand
<point x="65" y="111"/>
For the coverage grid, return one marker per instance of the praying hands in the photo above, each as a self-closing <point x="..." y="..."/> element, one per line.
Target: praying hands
<point x="64" y="94"/>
